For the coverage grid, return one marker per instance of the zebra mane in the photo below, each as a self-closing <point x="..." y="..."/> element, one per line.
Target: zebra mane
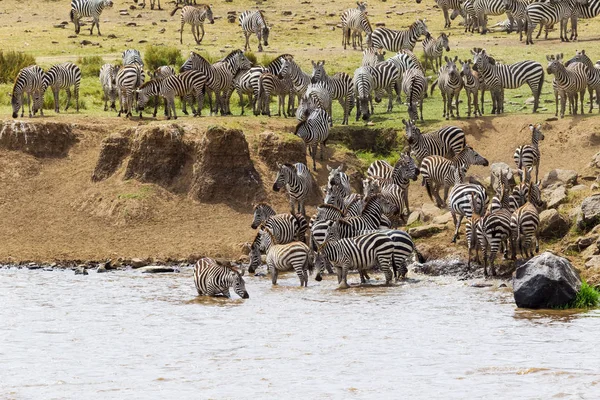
<point x="202" y="59"/>
<point x="331" y="207"/>
<point x="230" y="55"/>
<point x="262" y="15"/>
<point x="276" y="59"/>
<point x="263" y="205"/>
<point x="343" y="221"/>
<point x="290" y="166"/>
<point x="146" y="84"/>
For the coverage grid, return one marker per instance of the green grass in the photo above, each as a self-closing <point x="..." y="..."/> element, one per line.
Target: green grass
<point x="588" y="297"/>
<point x="90" y="66"/>
<point x="142" y="193"/>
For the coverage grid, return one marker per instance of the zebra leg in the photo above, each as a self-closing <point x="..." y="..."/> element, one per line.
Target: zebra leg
<point x="56" y="103"/>
<point x="202" y="28"/>
<point x="591" y="95"/>
<point x="582" y="99"/>
<point x="457" y="222"/>
<point x="357" y="108"/>
<point x="68" y="98"/>
<point x="98" y="26"/>
<point x="384" y="264"/>
<point x="468" y="104"/>
<point x="259" y="36"/>
<point x="446" y="19"/>
<point x="444" y="101"/>
<point x="171" y="106"/>
<point x="456" y="100"/>
<point x="390" y="99"/>
<point x="76" y="93"/>
<point x="274" y="274"/>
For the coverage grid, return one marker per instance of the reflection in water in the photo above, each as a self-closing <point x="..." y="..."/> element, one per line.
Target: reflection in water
<point x="128" y="335"/>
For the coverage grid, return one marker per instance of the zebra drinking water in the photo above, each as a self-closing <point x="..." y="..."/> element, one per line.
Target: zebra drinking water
<point x="88" y="8"/>
<point x="212" y="279"/>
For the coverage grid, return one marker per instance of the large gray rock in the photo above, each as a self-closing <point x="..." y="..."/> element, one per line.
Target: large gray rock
<point x="495" y="168"/>
<point x="553" y="224"/>
<point x="425" y="231"/>
<point x="430" y="211"/>
<point x="545" y="281"/>
<point x="554" y="196"/>
<point x="564" y="177"/>
<point x="589" y="216"/>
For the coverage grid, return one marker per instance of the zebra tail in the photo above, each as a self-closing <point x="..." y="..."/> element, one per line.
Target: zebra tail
<point x="310" y="265"/>
<point x="72" y="15"/>
<point x="175" y="10"/>
<point x="420" y="257"/>
<point x="428" y="187"/>
<point x="433" y="85"/>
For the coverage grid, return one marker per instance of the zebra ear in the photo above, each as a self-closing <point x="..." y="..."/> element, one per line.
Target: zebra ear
<point x="446" y="58"/>
<point x="531" y="127"/>
<point x="313" y="64"/>
<point x="455" y="58"/>
<point x="242" y="270"/>
<point x="329" y="168"/>
<point x="341" y="167"/>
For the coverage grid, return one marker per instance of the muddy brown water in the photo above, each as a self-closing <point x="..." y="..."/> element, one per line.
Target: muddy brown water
<point x="128" y="335"/>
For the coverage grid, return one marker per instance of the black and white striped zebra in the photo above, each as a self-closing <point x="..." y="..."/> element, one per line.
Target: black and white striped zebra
<point x="393" y="40"/>
<point x="414" y="85"/>
<point x="528" y="155"/>
<point x="518" y="10"/>
<point x="525" y="222"/>
<point x="460" y="205"/>
<point x="483" y="8"/>
<point x="354" y="23"/>
<point x="450" y="84"/>
<point x="169" y="88"/>
<point x="446" y="142"/>
<point x="337" y="177"/>
<point x="285" y="227"/>
<point x="295" y="256"/>
<point x="63" y="76"/>
<point x="29" y="82"/>
<point x="386" y="77"/>
<point x="472" y="87"/>
<point x="340" y="87"/>
<point x="132" y="56"/>
<point x="372" y="56"/>
<point x="108" y="75"/>
<point x="314" y="131"/>
<point x="254" y="22"/>
<point x="434" y="48"/>
<point x="360" y="252"/>
<point x="195" y="16"/>
<point x="88" y="8"/>
<point x="272" y="85"/>
<point x="317" y="95"/>
<point x="508" y="76"/>
<point x="375" y="206"/>
<point x="569" y="83"/>
<point x="588" y="10"/>
<point x="363" y="86"/>
<point x="152" y="3"/>
<point x="351" y="14"/>
<point x="297" y="180"/>
<point x="550" y="13"/>
<point x="446" y="5"/>
<point x="212" y="279"/>
<point x="129" y="78"/>
<point x="300" y="79"/>
<point x="593" y="76"/>
<point x="439" y="172"/>
<point x="495" y="232"/>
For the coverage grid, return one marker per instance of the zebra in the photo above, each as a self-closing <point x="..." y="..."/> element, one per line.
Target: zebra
<point x="88" y="8"/>
<point x="494" y="231"/>
<point x="392" y="40"/>
<point x="569" y="82"/>
<point x="63" y="76"/>
<point x="438" y="171"/>
<point x="450" y="84"/>
<point x="270" y="84"/>
<point x="528" y="155"/>
<point x="386" y="77"/>
<point x="446" y="142"/>
<point x="434" y="48"/>
<point x="298" y="182"/>
<point x="340" y="87"/>
<point x="254" y="22"/>
<point x="295" y="256"/>
<point x="300" y="79"/>
<point x="355" y="24"/>
<point x="473" y="228"/>
<point x="337" y="177"/>
<point x="129" y="78"/>
<point x="508" y="76"/>
<point x="518" y="10"/>
<point x="371" y="216"/>
<point x="446" y="5"/>
<point x="212" y="279"/>
<point x="168" y="88"/>
<point x="484" y="8"/>
<point x="285" y="227"/>
<point x="195" y="16"/>
<point x="460" y="205"/>
<point x="363" y="86"/>
<point x="472" y="87"/>
<point x="317" y="95"/>
<point x="414" y="85"/>
<point x="351" y="14"/>
<point x="550" y="13"/>
<point x="360" y="252"/>
<point x="29" y="82"/>
<point x="132" y="56"/>
<point x="152" y="3"/>
<point x="524" y="226"/>
<point x="314" y="131"/>
<point x="593" y="76"/>
<point x="404" y="61"/>
<point x="587" y="10"/>
<point x="108" y="74"/>
<point x="372" y="56"/>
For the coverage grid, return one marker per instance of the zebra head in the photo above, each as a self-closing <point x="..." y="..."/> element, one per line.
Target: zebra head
<point x="420" y="27"/>
<point x="444" y="41"/>
<point x="554" y="63"/>
<point x="468" y="157"/>
<point x="265" y="34"/>
<point x="406" y="167"/>
<point x="261" y="244"/>
<point x="335" y="175"/>
<point x="413" y="134"/>
<point x="283" y="175"/>
<point x="536" y="134"/>
<point x="318" y="74"/>
<point x="481" y="60"/>
<point x="16" y="102"/>
<point x="334" y="195"/>
<point x="144" y="93"/>
<point x="456" y="12"/>
<point x="209" y="14"/>
<point x="465" y="69"/>
<point x="451" y="69"/>
<point x="262" y="212"/>
<point x="362" y="6"/>
<point x="581" y="57"/>
<point x="239" y="285"/>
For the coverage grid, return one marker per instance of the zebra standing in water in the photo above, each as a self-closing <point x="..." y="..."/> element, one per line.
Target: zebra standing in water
<point x="132" y="56"/>
<point x="498" y="77"/>
<point x="414" y="85"/>
<point x="392" y="40"/>
<point x="434" y="48"/>
<point x="356" y="23"/>
<point x="108" y="75"/>
<point x="446" y="142"/>
<point x="195" y="16"/>
<point x="569" y="82"/>
<point x="472" y="86"/>
<point x="29" y="82"/>
<point x="254" y="22"/>
<point x="593" y="76"/>
<point x="297" y="180"/>
<point x="63" y="76"/>
<point x="285" y="227"/>
<point x="88" y="8"/>
<point x="483" y="8"/>
<point x="212" y="279"/>
<point x="129" y="78"/>
<point x="314" y="131"/>
<point x="450" y="85"/>
<point x="350" y="14"/>
<point x="528" y="155"/>
<point x="340" y="87"/>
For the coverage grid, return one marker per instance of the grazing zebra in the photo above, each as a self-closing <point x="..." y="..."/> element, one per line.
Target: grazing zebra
<point x="363" y="86"/>
<point x="569" y="82"/>
<point x="63" y="76"/>
<point x="29" y="82"/>
<point x="360" y="252"/>
<point x="212" y="279"/>
<point x="356" y="22"/>
<point x="386" y="77"/>
<point x="439" y="171"/>
<point x="550" y="13"/>
<point x="508" y="76"/>
<point x="297" y="180"/>
<point x="88" y="8"/>
<point x="414" y="85"/>
<point x="528" y="155"/>
<point x="152" y="3"/>
<point x="472" y="87"/>
<point x="446" y="5"/>
<point x="337" y="177"/>
<point x="295" y="256"/>
<point x="446" y="142"/>
<point x="340" y="87"/>
<point x="483" y="8"/>
<point x="129" y="78"/>
<point x="593" y="76"/>
<point x="269" y="85"/>
<point x="132" y="56"/>
<point x="524" y="226"/>
<point x="195" y="16"/>
<point x="434" y="48"/>
<point x="450" y="84"/>
<point x="170" y="87"/>
<point x="459" y="203"/>
<point x="351" y="14"/>
<point x="108" y="75"/>
<point x="285" y="227"/>
<point x="314" y="131"/>
<point x="300" y="80"/>
<point x="392" y="40"/>
<point x="372" y="56"/>
<point x="254" y="22"/>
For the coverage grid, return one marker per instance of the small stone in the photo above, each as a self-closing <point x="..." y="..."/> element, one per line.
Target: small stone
<point x="443" y="219"/>
<point x="101" y="268"/>
<point x="554" y="197"/>
<point x="81" y="270"/>
<point x="589" y="216"/>
<point x="593" y="262"/>
<point x="138" y="263"/>
<point x="430" y="211"/>
<point x="578" y="188"/>
<point x="414" y="217"/>
<point x="553" y="224"/>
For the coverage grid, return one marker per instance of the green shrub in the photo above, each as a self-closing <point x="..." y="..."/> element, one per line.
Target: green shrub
<point x="90" y="66"/>
<point x="11" y="62"/>
<point x="157" y="56"/>
<point x="251" y="56"/>
<point x="266" y="59"/>
<point x="588" y="297"/>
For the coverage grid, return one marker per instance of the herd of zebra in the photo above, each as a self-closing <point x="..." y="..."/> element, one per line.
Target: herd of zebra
<point x="351" y="231"/>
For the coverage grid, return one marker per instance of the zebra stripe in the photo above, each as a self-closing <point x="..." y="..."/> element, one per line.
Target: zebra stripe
<point x="314" y="131"/>
<point x="529" y="155"/>
<point x="271" y="85"/>
<point x="363" y="86"/>
<point x="29" y="81"/>
<point x="483" y="8"/>
<point x="392" y="40"/>
<point x="518" y="10"/>
<point x="195" y="16"/>
<point x="340" y="87"/>
<point x="129" y="78"/>
<point x="434" y="48"/>
<point x="88" y="8"/>
<point x="337" y="177"/>
<point x="254" y="22"/>
<point x="355" y="24"/>
<point x="108" y="74"/>
<point x="212" y="279"/>
<point x="183" y="86"/>
<point x="317" y="96"/>
<point x="446" y="142"/>
<point x="414" y="85"/>
<point x="460" y="205"/>
<point x="446" y="5"/>
<point x="568" y="82"/>
<point x="132" y="56"/>
<point x="524" y="226"/>
<point x="450" y="84"/>
<point x="371" y="215"/>
<point x="300" y="79"/>
<point x="63" y="76"/>
<point x="350" y="14"/>
<point x="297" y="180"/>
<point x="284" y="227"/>
<point x="372" y="56"/>
<point x="472" y="86"/>
<point x="593" y="76"/>
<point x="550" y="13"/>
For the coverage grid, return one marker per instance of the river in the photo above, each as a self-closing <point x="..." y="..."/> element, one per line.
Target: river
<point x="129" y="335"/>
